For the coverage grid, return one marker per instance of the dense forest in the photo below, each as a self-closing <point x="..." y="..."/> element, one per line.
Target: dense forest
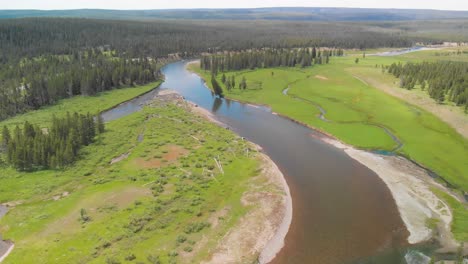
<point x="266" y="58"/>
<point x="32" y="37"/>
<point x="43" y="60"/>
<point x="32" y="147"/>
<point x="443" y="80"/>
<point x="32" y="83"/>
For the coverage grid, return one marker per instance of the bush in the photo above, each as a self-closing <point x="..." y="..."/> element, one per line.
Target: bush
<point x="195" y="227"/>
<point x="188" y="249"/>
<point x="181" y="239"/>
<point x="130" y="257"/>
<point x="153" y="259"/>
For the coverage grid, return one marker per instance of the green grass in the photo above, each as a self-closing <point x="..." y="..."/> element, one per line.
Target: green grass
<point x="354" y="108"/>
<point x="134" y="209"/>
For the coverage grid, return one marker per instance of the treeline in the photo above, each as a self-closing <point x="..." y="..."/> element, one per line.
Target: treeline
<point x="32" y="37"/>
<point x="266" y="58"/>
<point x="443" y="80"/>
<point x="32" y="83"/>
<point x="31" y="148"/>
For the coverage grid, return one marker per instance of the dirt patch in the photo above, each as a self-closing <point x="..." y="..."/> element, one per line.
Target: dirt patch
<point x="60" y="196"/>
<point x="453" y="115"/>
<point x="13" y="203"/>
<point x="320" y="77"/>
<point x="217" y="216"/>
<point x="173" y="153"/>
<point x="120" y="158"/>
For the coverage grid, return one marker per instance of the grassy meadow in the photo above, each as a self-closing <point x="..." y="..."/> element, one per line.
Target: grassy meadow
<point x="357" y="112"/>
<point x="147" y="191"/>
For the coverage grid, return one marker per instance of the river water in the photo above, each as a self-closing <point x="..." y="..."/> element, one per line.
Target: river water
<point x="342" y="211"/>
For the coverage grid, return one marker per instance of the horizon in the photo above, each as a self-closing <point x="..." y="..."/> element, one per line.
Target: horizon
<point x="137" y="5"/>
<point x="235" y="8"/>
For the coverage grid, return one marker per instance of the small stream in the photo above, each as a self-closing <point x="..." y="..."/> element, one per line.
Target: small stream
<point x="398" y="142"/>
<point x="342" y="211"/>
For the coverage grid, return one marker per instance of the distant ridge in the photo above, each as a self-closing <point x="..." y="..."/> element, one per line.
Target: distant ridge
<point x="273" y="13"/>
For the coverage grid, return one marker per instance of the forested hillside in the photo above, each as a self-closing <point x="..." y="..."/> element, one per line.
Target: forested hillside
<point x="32" y="83"/>
<point x="33" y="37"/>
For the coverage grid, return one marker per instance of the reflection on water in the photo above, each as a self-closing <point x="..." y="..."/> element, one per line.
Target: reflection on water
<point x="217" y="102"/>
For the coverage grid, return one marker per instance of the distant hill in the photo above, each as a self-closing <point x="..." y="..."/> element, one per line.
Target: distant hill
<point x="274" y="13"/>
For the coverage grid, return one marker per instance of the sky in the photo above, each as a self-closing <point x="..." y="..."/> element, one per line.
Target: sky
<point x="169" y="4"/>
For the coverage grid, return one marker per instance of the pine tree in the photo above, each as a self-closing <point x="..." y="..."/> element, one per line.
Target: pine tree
<point x="5" y="136"/>
<point x="243" y="84"/>
<point x="223" y="78"/>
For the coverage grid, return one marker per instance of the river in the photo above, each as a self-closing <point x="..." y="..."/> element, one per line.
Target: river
<point x="342" y="211"/>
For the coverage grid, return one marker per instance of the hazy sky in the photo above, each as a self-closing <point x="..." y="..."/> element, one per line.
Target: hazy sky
<point x="164" y="4"/>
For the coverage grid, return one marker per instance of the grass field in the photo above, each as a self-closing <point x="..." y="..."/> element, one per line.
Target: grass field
<point x="151" y="191"/>
<point x="354" y="108"/>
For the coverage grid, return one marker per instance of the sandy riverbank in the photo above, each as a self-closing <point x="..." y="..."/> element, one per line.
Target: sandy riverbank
<point x="5" y="249"/>
<point x="261" y="232"/>
<point x="5" y="246"/>
<point x="410" y="186"/>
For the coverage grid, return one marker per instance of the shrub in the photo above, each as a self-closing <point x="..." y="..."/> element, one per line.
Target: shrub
<point x="195" y="227"/>
<point x="181" y="239"/>
<point x="188" y="249"/>
<point x="153" y="259"/>
<point x="130" y="257"/>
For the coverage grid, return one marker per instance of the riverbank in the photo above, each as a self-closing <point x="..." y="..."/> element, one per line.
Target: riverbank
<point x="411" y="187"/>
<point x="5" y="246"/>
<point x="5" y="249"/>
<point x="261" y="232"/>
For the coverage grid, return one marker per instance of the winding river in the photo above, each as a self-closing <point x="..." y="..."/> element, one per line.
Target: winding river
<point x="342" y="211"/>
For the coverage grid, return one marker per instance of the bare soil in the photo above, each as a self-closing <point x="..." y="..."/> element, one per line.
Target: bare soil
<point x="174" y="152"/>
<point x="320" y="77"/>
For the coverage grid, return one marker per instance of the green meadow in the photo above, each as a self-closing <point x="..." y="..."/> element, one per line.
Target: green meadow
<point x="148" y="190"/>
